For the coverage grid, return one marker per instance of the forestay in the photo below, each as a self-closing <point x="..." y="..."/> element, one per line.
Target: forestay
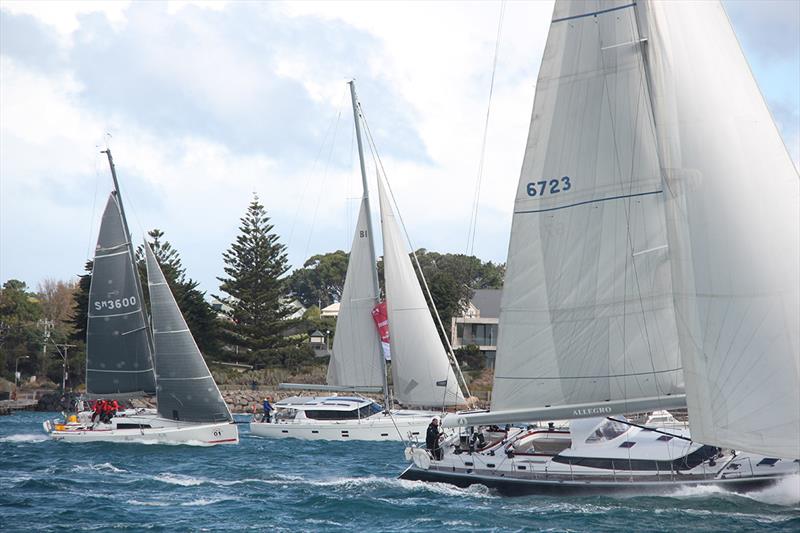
<point x="421" y="371"/>
<point x="186" y="389"/>
<point x="356" y="359"/>
<point x="734" y="232"/>
<point x="587" y="320"/>
<point x="119" y="360"/>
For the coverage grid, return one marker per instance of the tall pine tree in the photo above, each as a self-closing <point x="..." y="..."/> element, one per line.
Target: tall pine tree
<point x="255" y="265"/>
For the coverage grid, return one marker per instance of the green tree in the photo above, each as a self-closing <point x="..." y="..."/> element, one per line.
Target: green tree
<point x="470" y="357"/>
<point x="255" y="266"/>
<point x="199" y="316"/>
<point x="20" y="332"/>
<point x="321" y="280"/>
<point x="80" y="304"/>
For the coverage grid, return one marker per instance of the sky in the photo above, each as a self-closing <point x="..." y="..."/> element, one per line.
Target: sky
<point x="206" y="103"/>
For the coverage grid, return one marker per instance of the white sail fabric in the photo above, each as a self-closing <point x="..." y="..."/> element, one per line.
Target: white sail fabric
<point x="185" y="388"/>
<point x="119" y="358"/>
<point x="356" y="359"/>
<point x="420" y="369"/>
<point x="587" y="317"/>
<point x="734" y="232"/>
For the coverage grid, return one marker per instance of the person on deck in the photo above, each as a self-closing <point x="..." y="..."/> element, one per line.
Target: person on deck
<point x="267" y="411"/>
<point x="97" y="410"/>
<point x="432" y="439"/>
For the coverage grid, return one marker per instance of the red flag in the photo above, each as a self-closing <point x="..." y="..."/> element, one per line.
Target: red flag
<point x="381" y="318"/>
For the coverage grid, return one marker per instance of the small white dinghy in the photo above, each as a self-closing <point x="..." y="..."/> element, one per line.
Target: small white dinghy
<point x="119" y="354"/>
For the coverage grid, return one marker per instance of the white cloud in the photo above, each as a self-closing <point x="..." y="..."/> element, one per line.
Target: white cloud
<point x="423" y="77"/>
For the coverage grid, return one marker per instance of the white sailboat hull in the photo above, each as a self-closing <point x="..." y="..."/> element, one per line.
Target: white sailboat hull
<point x="634" y="462"/>
<point x="579" y="486"/>
<point x="160" y="430"/>
<point x="378" y="427"/>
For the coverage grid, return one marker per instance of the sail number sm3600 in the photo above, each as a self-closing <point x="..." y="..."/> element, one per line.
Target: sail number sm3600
<point x="119" y="303"/>
<point x="554" y="186"/>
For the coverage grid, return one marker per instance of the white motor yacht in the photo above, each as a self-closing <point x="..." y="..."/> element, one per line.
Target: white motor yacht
<point x="342" y="418"/>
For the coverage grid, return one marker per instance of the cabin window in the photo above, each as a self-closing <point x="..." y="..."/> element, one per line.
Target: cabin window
<point x="766" y="461"/>
<point x="627" y="444"/>
<point x="133" y="426"/>
<point x="607" y="430"/>
<point x="352" y="414"/>
<point x="665" y="438"/>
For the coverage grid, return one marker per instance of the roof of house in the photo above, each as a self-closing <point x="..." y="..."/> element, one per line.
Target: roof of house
<point x="488" y="302"/>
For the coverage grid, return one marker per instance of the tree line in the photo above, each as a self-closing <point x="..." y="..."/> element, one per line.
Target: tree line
<point x="253" y="324"/>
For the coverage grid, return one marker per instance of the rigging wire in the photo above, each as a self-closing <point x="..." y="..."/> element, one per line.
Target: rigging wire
<point x="333" y="121"/>
<point x="376" y="156"/>
<point x="324" y="180"/>
<point x="473" y="223"/>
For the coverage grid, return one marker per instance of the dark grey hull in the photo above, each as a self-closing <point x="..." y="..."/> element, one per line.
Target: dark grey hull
<point x="519" y="487"/>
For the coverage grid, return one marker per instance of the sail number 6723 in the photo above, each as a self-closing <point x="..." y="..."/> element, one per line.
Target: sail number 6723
<point x="554" y="186"/>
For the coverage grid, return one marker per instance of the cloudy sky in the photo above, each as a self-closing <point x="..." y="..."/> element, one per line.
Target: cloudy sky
<point x="209" y="102"/>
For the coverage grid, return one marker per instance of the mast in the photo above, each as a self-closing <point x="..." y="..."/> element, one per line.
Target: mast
<point x="371" y="239"/>
<point x="131" y="251"/>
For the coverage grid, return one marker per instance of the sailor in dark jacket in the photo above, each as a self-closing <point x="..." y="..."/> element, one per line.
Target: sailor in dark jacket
<point x="432" y="439"/>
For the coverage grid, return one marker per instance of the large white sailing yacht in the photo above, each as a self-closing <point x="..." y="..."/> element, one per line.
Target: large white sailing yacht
<point x="422" y="375"/>
<point x="653" y="264"/>
<point x="121" y="349"/>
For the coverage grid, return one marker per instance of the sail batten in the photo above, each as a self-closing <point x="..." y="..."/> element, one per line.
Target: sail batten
<point x="119" y="359"/>
<point x="180" y="367"/>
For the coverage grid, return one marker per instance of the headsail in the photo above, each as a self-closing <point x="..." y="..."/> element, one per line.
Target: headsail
<point x="356" y="359"/>
<point x="733" y="205"/>
<point x="119" y="358"/>
<point x="420" y="367"/>
<point x="186" y="389"/>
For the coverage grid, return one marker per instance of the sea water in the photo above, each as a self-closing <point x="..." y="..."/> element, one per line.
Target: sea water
<point x="293" y="485"/>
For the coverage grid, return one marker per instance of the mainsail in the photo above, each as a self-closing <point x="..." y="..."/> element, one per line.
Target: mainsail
<point x="420" y="368"/>
<point x="587" y="320"/>
<point x="356" y="360"/>
<point x="186" y="389"/>
<point x="733" y="208"/>
<point x="119" y="358"/>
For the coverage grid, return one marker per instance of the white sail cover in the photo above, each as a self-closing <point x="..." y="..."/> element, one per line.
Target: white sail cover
<point x="420" y="369"/>
<point x="185" y="389"/>
<point x="119" y="358"/>
<point x="733" y="205"/>
<point x="587" y="321"/>
<point x="356" y="359"/>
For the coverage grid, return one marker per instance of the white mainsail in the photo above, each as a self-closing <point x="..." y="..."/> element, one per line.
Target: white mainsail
<point x="733" y="206"/>
<point x="420" y="368"/>
<point x="356" y="360"/>
<point x="587" y="321"/>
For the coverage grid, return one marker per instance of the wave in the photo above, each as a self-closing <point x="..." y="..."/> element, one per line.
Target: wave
<point x="102" y="467"/>
<point x="785" y="492"/>
<point x="25" y="437"/>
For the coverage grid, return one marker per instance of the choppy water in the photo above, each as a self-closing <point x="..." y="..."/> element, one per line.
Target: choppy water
<point x="290" y="485"/>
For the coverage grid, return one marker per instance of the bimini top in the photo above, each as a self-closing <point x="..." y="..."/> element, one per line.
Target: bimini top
<point x="323" y="403"/>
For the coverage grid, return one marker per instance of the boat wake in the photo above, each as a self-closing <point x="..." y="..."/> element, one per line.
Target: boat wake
<point x="24" y="437"/>
<point x="785" y="492"/>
